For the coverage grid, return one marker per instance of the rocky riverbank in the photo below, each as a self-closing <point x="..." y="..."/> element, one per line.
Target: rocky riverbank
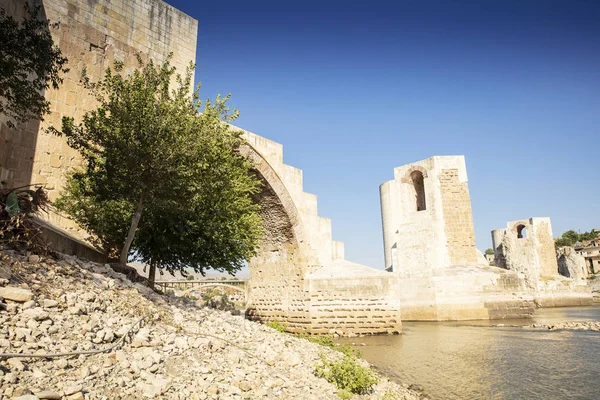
<point x="164" y="347"/>
<point x="571" y="326"/>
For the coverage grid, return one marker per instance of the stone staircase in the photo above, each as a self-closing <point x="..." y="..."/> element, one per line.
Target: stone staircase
<point x="318" y="229"/>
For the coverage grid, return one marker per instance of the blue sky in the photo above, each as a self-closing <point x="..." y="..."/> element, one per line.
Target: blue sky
<point x="354" y="89"/>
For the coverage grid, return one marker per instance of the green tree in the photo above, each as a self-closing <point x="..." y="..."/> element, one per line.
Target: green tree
<point x="489" y="251"/>
<point x="160" y="177"/>
<point x="570" y="237"/>
<point x="593" y="234"/>
<point x="562" y="242"/>
<point x="29" y="64"/>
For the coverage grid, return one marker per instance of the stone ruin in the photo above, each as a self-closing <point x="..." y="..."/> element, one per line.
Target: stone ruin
<point x="429" y="243"/>
<point x="571" y="264"/>
<point x="299" y="276"/>
<point x="527" y="247"/>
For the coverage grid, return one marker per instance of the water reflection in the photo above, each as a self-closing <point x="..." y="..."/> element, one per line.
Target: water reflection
<point x="476" y="360"/>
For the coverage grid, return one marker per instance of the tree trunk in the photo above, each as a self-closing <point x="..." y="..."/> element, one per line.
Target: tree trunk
<point x="131" y="234"/>
<point x="152" y="274"/>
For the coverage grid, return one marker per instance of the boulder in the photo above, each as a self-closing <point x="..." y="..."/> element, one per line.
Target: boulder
<point x="17" y="294"/>
<point x="49" y="395"/>
<point x="5" y="272"/>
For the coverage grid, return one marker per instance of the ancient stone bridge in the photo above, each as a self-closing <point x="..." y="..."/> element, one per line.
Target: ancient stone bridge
<point x="299" y="275"/>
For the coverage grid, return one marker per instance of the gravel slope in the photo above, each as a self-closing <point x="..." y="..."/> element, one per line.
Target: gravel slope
<point x="178" y="350"/>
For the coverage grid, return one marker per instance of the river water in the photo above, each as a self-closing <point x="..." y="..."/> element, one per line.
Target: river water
<point x="476" y="360"/>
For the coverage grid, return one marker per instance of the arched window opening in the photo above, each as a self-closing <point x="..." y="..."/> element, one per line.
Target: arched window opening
<point x="521" y="232"/>
<point x="419" y="186"/>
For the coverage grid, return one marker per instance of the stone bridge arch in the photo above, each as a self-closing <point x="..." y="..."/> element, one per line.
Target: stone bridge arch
<point x="284" y="256"/>
<point x="299" y="276"/>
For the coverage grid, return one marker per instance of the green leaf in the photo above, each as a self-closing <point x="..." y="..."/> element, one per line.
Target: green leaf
<point x="12" y="204"/>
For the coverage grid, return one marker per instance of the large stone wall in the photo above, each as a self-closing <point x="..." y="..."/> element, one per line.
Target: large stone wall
<point x="458" y="227"/>
<point x="92" y="34"/>
<point x="349" y="298"/>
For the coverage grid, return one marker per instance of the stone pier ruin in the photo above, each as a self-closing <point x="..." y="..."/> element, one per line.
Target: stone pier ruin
<point x="429" y="243"/>
<point x="299" y="276"/>
<point x="527" y="246"/>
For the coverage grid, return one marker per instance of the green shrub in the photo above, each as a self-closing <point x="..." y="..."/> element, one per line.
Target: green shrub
<point x="217" y="300"/>
<point x="18" y="207"/>
<point x="347" y="374"/>
<point x="389" y="395"/>
<point x="278" y="326"/>
<point x="344" y="394"/>
<point x="327" y="341"/>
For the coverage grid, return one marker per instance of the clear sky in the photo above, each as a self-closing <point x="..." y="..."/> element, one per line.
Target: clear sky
<point x="354" y="89"/>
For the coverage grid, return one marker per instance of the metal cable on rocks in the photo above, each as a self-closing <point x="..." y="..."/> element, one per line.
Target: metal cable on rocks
<point x="73" y="353"/>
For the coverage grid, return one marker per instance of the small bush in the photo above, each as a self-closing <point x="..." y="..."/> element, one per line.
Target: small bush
<point x="218" y="301"/>
<point x="389" y="395"/>
<point x="278" y="326"/>
<point x="347" y="374"/>
<point x="18" y="207"/>
<point x="327" y="341"/>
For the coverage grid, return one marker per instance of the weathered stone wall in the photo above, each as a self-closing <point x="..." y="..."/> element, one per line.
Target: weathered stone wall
<point x="571" y="264"/>
<point x="350" y="298"/>
<point x="526" y="246"/>
<point x="299" y="276"/>
<point x="92" y="34"/>
<point x="459" y="229"/>
<point x="421" y="236"/>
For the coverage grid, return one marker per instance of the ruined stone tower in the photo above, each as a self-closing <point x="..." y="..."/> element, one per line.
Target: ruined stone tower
<point x="429" y="244"/>
<point x="427" y="219"/>
<point x="526" y="246"/>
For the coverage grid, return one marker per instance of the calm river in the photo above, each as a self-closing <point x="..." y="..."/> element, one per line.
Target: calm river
<point x="475" y="360"/>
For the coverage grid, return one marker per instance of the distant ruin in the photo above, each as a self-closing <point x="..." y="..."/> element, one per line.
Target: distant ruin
<point x="527" y="246"/>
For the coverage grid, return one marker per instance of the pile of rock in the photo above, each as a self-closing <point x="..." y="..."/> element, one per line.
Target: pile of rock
<point x="178" y="351"/>
<point x="572" y="326"/>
